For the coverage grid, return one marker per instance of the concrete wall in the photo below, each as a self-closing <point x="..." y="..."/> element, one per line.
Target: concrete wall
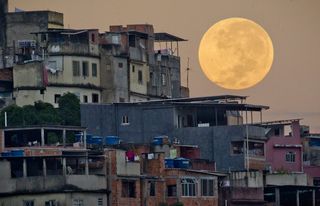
<point x="28" y="75"/>
<point x="286" y="179"/>
<point x="51" y="183"/>
<point x="114" y="76"/>
<point x="64" y="74"/>
<point x="147" y="121"/>
<point x="63" y="199"/>
<point x="26" y="97"/>
<point x="124" y="167"/>
<point x="20" y="25"/>
<point x="246" y="179"/>
<point x="135" y="85"/>
<point x="279" y="146"/>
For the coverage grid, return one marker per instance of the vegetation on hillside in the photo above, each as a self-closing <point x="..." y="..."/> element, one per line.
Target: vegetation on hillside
<point x="42" y="113"/>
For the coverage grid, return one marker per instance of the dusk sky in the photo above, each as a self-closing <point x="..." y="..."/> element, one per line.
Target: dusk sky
<point x="291" y="89"/>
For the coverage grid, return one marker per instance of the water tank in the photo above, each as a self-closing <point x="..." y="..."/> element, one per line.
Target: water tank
<point x="17" y="153"/>
<point x="169" y="163"/>
<point x="112" y="140"/>
<point x="181" y="163"/>
<point x="6" y="154"/>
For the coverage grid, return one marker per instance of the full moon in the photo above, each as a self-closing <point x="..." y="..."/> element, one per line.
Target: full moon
<point x="236" y="53"/>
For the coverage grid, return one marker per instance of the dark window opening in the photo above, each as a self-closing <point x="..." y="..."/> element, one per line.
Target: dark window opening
<point x="51" y="203"/>
<point x="120" y="64"/>
<point x="94" y="69"/>
<point x="125" y="119"/>
<point x="56" y="98"/>
<point x="95" y="98"/>
<point x="152" y="188"/>
<point x="207" y="187"/>
<point x="189" y="120"/>
<point x="277" y="132"/>
<point x="172" y="190"/>
<point x="93" y="37"/>
<point x="28" y="202"/>
<point x="76" y="68"/>
<point x="16" y="168"/>
<point x="132" y="41"/>
<point x="133" y="68"/>
<point x="85" y="98"/>
<point x="237" y="147"/>
<point x="85" y="69"/>
<point x="43" y="37"/>
<point x="121" y="99"/>
<point x="140" y="80"/>
<point x="128" y="188"/>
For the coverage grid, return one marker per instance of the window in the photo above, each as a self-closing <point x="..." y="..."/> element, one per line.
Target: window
<point x="85" y="98"/>
<point x="94" y="69"/>
<point x="132" y="41"/>
<point x="77" y="202"/>
<point x="121" y="99"/>
<point x="52" y="65"/>
<point x="237" y="147"/>
<point x="140" y="77"/>
<point x="43" y="37"/>
<point x="76" y="68"/>
<point x="115" y="39"/>
<point x="128" y="188"/>
<point x="51" y="203"/>
<point x="100" y="201"/>
<point x="28" y="202"/>
<point x="125" y="119"/>
<point x="133" y="68"/>
<point x="85" y="71"/>
<point x="172" y="190"/>
<point x="207" y="187"/>
<point x="152" y="188"/>
<point x="163" y="79"/>
<point x="188" y="187"/>
<point x="256" y="149"/>
<point x="290" y="157"/>
<point x="95" y="98"/>
<point x="277" y="132"/>
<point x="56" y="98"/>
<point x="120" y="64"/>
<point x="93" y="38"/>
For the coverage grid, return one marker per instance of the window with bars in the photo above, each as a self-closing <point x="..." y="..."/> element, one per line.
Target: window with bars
<point x="290" y="157"/>
<point x="76" y="68"/>
<point x="207" y="187"/>
<point x="94" y="69"/>
<point x="188" y="187"/>
<point x="28" y="202"/>
<point x="77" y="202"/>
<point x="100" y="201"/>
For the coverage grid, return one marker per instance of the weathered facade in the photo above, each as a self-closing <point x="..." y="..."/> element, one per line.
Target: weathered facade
<point x="191" y="121"/>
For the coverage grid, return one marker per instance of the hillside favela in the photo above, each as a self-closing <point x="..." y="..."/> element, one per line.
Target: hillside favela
<point x="101" y="118"/>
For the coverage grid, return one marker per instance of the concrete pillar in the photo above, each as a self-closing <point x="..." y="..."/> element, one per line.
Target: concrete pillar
<point x="313" y="198"/>
<point x="64" y="137"/>
<point x="297" y="198"/>
<point x="85" y="139"/>
<point x="86" y="166"/>
<point x="277" y="194"/>
<point x="64" y="166"/>
<point x="42" y="137"/>
<point x="44" y="167"/>
<point x="24" y="166"/>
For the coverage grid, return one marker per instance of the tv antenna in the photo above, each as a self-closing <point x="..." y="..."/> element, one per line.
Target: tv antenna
<point x="188" y="69"/>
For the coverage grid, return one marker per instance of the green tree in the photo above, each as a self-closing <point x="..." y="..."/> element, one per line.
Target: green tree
<point x="69" y="109"/>
<point x="46" y="113"/>
<point x="14" y="116"/>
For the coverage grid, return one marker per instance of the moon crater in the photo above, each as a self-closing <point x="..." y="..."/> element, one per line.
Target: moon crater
<point x="236" y="53"/>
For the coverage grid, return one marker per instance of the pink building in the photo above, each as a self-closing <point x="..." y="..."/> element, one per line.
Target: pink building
<point x="284" y="147"/>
